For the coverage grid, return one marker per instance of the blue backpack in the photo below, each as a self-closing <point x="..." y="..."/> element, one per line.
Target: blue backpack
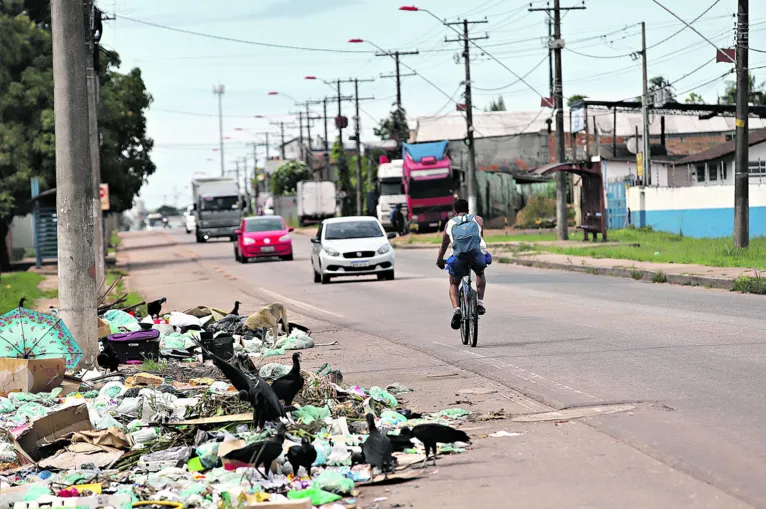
<point x="466" y="237"/>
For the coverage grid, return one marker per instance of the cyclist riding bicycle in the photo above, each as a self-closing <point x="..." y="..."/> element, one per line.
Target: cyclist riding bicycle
<point x="465" y="233"/>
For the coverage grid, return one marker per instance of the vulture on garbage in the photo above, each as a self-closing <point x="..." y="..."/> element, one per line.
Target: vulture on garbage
<point x="303" y="455"/>
<point x="107" y="358"/>
<point x="235" y="311"/>
<point x="266" y="405"/>
<point x="401" y="441"/>
<point x="154" y="308"/>
<point x="261" y="453"/>
<point x="377" y="448"/>
<point x="432" y="434"/>
<point x="288" y="386"/>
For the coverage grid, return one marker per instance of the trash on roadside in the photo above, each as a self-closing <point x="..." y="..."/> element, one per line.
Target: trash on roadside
<point x="503" y="433"/>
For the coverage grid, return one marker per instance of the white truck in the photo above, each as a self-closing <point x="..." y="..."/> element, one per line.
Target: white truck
<point x="217" y="207"/>
<point x="316" y="201"/>
<point x="390" y="190"/>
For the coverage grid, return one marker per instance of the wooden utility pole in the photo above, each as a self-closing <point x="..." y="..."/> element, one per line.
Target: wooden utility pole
<point x="472" y="182"/>
<point x="74" y="186"/>
<point x="398" y="75"/>
<point x="358" y="139"/>
<point x="742" y="170"/>
<point x="557" y="44"/>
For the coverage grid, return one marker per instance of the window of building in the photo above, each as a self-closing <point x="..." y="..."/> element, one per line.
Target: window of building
<point x="724" y="172"/>
<point x="712" y="170"/>
<point x="700" y="173"/>
<point x="757" y="168"/>
<point x="730" y="137"/>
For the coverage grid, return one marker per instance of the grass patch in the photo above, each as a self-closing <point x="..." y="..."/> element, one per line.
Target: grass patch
<point x="15" y="285"/>
<point x="114" y="239"/>
<point x="637" y="274"/>
<point x="664" y="247"/>
<point x="659" y="277"/>
<point x="152" y="366"/>
<point x="490" y="239"/>
<point x="747" y="284"/>
<point x="120" y="290"/>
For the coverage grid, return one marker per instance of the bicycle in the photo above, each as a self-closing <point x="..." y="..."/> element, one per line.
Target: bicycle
<point x="469" y="323"/>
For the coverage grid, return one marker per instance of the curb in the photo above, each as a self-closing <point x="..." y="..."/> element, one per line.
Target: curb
<point x="646" y="275"/>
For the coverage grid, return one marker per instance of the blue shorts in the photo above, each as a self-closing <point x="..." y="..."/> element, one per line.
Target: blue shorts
<point x="459" y="268"/>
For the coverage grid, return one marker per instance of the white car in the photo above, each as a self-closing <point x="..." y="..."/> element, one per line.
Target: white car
<point x="352" y="246"/>
<point x="189" y="221"/>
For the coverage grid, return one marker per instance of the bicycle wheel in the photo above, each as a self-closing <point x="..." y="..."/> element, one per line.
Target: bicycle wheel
<point x="464" y="331"/>
<point x="474" y="333"/>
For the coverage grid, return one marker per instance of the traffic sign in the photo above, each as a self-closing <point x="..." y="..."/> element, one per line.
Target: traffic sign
<point x="104" y="196"/>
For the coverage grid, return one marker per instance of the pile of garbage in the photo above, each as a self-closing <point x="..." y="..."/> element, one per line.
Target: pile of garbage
<point x="172" y="430"/>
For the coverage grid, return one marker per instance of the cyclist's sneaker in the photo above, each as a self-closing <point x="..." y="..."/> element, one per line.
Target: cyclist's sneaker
<point x="457" y="316"/>
<point x="481" y="309"/>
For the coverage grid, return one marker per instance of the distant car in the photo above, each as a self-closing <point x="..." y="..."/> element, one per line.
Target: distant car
<point x="263" y="237"/>
<point x="189" y="221"/>
<point x="352" y="246"/>
<point x="156" y="221"/>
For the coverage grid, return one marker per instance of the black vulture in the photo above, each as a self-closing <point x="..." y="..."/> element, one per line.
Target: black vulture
<point x="235" y="311"/>
<point x="377" y="448"/>
<point x="288" y="386"/>
<point x="154" y="308"/>
<point x="303" y="455"/>
<point x="107" y="358"/>
<point x="261" y="453"/>
<point x="432" y="434"/>
<point x="401" y="441"/>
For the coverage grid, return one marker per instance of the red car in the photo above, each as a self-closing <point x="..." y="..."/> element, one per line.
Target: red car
<point x="263" y="237"/>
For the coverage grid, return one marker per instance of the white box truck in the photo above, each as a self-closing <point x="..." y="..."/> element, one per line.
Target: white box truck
<point x="316" y="201"/>
<point x="217" y="207"/>
<point x="390" y="191"/>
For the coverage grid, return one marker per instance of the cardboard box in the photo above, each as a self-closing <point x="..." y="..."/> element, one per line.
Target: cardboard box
<point x="30" y="375"/>
<point x="38" y="440"/>
<point x="103" y="329"/>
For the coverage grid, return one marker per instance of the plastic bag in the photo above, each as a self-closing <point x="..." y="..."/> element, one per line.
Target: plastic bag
<point x="297" y="340"/>
<point x="308" y="414"/>
<point x="391" y="418"/>
<point x="6" y="406"/>
<point x="108" y="422"/>
<point x="175" y="456"/>
<point x="121" y="320"/>
<point x="334" y="483"/>
<point x="183" y="320"/>
<point x="219" y="388"/>
<point x="129" y="406"/>
<point x="208" y="454"/>
<point x="323" y="449"/>
<point x="397" y="388"/>
<point x="273" y="370"/>
<point x="32" y="411"/>
<point x="453" y="413"/>
<point x="382" y="396"/>
<point x="317" y="496"/>
<point x="111" y="390"/>
<point x="340" y="456"/>
<point x="272" y="353"/>
<point x="173" y="341"/>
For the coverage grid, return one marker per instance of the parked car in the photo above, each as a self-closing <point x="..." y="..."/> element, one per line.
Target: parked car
<point x="263" y="237"/>
<point x="352" y="246"/>
<point x="189" y="221"/>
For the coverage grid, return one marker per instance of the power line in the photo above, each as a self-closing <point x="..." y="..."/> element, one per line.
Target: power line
<point x="603" y="57"/>
<point x="241" y="41"/>
<point x="516" y="81"/>
<point x="685" y="26"/>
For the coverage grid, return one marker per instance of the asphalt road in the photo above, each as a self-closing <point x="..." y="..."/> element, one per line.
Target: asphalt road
<point x="695" y="359"/>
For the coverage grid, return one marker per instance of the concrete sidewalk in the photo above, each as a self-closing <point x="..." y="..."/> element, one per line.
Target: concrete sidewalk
<point x="564" y="463"/>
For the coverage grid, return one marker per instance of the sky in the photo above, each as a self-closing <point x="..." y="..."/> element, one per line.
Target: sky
<point x="181" y="68"/>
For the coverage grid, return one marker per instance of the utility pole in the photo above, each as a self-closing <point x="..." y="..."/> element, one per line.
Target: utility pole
<point x="466" y="40"/>
<point x="300" y="136"/>
<point x="74" y="186"/>
<point x="282" y="126"/>
<point x="551" y="85"/>
<point x="95" y="29"/>
<point x="358" y="136"/>
<point x="557" y="44"/>
<point x="395" y="55"/>
<point x="741" y="171"/>
<point x="309" y="156"/>
<point x="326" y="142"/>
<point x="219" y="90"/>
<point x="647" y="150"/>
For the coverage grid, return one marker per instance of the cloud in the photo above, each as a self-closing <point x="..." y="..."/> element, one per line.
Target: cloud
<point x="301" y="8"/>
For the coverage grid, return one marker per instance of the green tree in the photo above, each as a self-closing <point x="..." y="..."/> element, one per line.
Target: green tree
<point x="167" y="210"/>
<point x="498" y="105"/>
<point x="27" y="141"/>
<point x="394" y="127"/>
<point x="574" y="99"/>
<point x="342" y="165"/>
<point x="757" y="94"/>
<point x="285" y="179"/>
<point x="26" y="116"/>
<point x="694" y="98"/>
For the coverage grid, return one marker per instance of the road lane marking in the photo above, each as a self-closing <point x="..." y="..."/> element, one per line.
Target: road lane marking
<point x="300" y="304"/>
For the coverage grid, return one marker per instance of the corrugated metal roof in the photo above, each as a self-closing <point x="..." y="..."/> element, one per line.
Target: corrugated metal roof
<point x="509" y="123"/>
<point x="724" y="149"/>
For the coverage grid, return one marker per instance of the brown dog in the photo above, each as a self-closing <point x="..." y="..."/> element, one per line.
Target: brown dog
<point x="269" y="317"/>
